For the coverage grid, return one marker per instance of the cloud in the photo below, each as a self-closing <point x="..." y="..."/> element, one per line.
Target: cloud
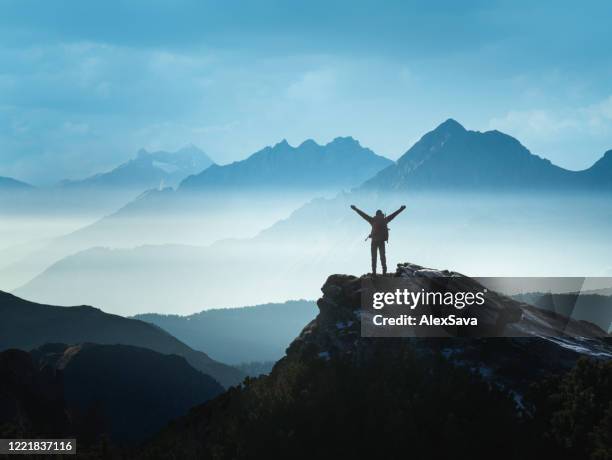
<point x="562" y="127"/>
<point x="84" y="85"/>
<point x="313" y="86"/>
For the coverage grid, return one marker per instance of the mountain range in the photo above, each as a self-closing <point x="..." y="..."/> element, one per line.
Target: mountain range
<point x="27" y="325"/>
<point x="148" y="170"/>
<point x="91" y="198"/>
<point x="285" y="254"/>
<point x="453" y="158"/>
<point x="279" y="179"/>
<point x="168" y="234"/>
<point x="342" y="163"/>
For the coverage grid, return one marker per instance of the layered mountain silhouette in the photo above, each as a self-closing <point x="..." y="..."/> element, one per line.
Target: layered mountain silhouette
<point x="482" y="235"/>
<point x="149" y="170"/>
<point x="27" y="325"/>
<point x="91" y="392"/>
<point x="339" y="164"/>
<point x="273" y="181"/>
<point x="528" y="216"/>
<point x="453" y="158"/>
<point x="124" y="391"/>
<point x="383" y="397"/>
<point x="239" y="335"/>
<point x="256" y="192"/>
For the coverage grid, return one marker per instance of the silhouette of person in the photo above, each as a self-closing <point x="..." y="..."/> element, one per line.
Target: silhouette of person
<point x="379" y="234"/>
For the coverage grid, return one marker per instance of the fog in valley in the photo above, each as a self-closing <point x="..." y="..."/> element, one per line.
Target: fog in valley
<point x="170" y="253"/>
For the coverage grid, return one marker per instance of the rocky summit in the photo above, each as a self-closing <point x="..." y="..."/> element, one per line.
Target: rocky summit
<point x="337" y="394"/>
<point x="536" y="342"/>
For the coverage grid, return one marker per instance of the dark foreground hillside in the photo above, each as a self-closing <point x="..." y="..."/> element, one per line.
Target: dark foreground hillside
<point x="339" y="395"/>
<point x="27" y="325"/>
<point x="116" y="394"/>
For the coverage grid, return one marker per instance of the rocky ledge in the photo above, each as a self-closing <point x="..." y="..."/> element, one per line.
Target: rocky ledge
<point x="534" y="342"/>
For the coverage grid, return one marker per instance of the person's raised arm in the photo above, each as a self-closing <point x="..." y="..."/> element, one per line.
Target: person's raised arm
<point x="392" y="216"/>
<point x="361" y="213"/>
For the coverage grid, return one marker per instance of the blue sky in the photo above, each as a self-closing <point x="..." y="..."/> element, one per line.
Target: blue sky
<point x="83" y="85"/>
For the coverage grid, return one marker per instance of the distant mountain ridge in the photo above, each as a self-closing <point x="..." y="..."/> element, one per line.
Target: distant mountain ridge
<point x="239" y="335"/>
<point x="453" y="158"/>
<point x="256" y="192"/>
<point x="10" y="184"/>
<point x="27" y="325"/>
<point x="338" y="164"/>
<point x="149" y="170"/>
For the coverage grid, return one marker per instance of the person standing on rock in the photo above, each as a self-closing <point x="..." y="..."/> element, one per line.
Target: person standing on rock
<point x="379" y="234"/>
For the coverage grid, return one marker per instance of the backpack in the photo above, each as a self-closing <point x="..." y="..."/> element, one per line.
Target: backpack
<point x="380" y="230"/>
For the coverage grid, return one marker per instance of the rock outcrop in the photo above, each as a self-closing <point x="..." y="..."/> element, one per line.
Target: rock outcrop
<point x="537" y="341"/>
<point x="337" y="394"/>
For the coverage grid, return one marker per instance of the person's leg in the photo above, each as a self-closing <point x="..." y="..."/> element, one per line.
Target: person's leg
<point x="383" y="257"/>
<point x="373" y="246"/>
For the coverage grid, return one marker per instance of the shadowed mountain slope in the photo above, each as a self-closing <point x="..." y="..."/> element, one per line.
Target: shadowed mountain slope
<point x="96" y="393"/>
<point x="339" y="164"/>
<point x="382" y="397"/>
<point x="27" y="325"/>
<point x="128" y="392"/>
<point x="453" y="158"/>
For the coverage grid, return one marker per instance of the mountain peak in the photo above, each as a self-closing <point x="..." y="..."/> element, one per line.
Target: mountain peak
<point x="450" y="125"/>
<point x="282" y="144"/>
<point x="346" y="140"/>
<point x="309" y="143"/>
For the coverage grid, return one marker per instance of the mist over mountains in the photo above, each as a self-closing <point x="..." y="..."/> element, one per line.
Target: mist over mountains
<point x="108" y="190"/>
<point x="247" y="200"/>
<point x="480" y="201"/>
<point x="148" y="170"/>
<point x="239" y="235"/>
<point x="31" y="216"/>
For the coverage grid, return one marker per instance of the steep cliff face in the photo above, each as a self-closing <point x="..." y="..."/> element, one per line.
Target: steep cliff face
<point x="338" y="394"/>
